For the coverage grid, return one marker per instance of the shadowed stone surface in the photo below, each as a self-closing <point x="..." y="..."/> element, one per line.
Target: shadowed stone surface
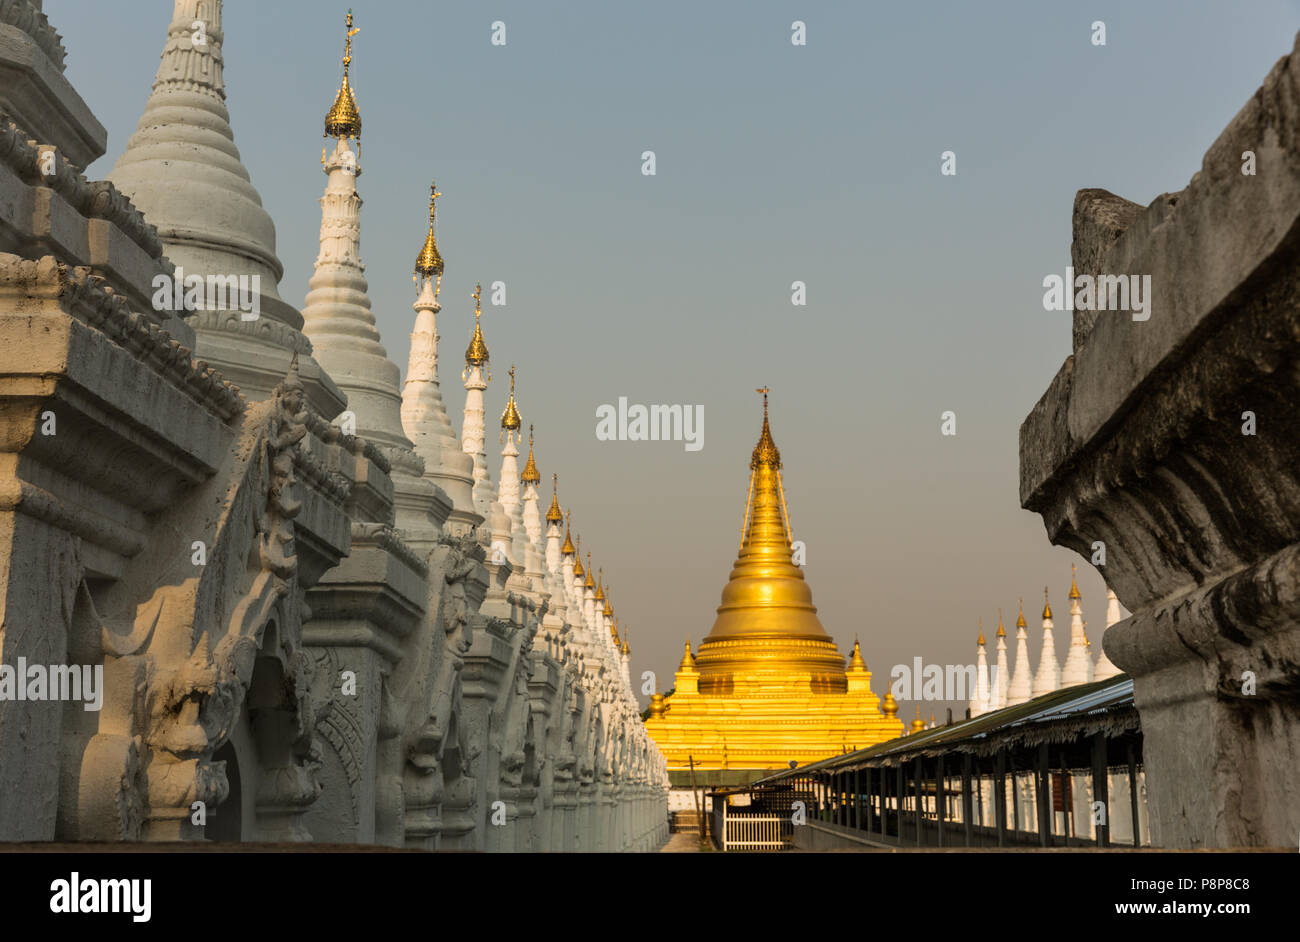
<point x="1140" y="441"/>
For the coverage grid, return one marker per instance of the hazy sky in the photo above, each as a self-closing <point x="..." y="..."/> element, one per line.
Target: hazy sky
<point x="774" y="163"/>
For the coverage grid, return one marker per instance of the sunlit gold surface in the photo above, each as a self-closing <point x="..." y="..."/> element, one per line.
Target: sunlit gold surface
<point x="554" y="514"/>
<point x="477" y="354"/>
<point x="530" y="474"/>
<point x="344" y="118"/>
<point x="769" y="684"/>
<point x="510" y="420"/>
<point x="429" y="262"/>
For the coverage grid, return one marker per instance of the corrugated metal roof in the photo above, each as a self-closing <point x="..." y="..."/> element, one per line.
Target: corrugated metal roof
<point x="1069" y="704"/>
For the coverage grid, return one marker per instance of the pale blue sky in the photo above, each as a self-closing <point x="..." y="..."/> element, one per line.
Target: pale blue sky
<point x="775" y="163"/>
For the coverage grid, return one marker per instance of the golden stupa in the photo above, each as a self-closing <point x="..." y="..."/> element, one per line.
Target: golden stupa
<point x="769" y="685"/>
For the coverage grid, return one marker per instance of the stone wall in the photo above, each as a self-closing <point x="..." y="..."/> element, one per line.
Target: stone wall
<point x="1173" y="441"/>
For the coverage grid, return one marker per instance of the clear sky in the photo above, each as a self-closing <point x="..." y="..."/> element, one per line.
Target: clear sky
<point x="775" y="163"/>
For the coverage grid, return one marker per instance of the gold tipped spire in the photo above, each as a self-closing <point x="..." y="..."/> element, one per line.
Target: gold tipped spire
<point x="530" y="475"/>
<point x="1074" y="585"/>
<point x="609" y="609"/>
<point x="600" y="587"/>
<point x="429" y="262"/>
<point x="344" y="119"/>
<point x="589" y="584"/>
<point x="554" y="514"/>
<point x="765" y="452"/>
<point x="918" y="724"/>
<point x="1002" y="632"/>
<point x="567" y="549"/>
<point x="889" y="706"/>
<point x="855" y="659"/>
<point x="577" y="561"/>
<point x="626" y="652"/>
<point x="1020" y="619"/>
<point x="767" y="616"/>
<point x="979" y="642"/>
<point x="1047" y="608"/>
<point x="510" y="420"/>
<point x="477" y="354"/>
<point x="688" y="660"/>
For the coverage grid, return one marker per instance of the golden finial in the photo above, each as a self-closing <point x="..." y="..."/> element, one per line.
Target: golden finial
<point x="1047" y="608"/>
<point x="1020" y="619"/>
<point x="510" y="420"/>
<point x="577" y="561"/>
<point x="567" y="549"/>
<point x="918" y="724"/>
<point x="600" y="588"/>
<point x="477" y="354"/>
<point x="855" y="659"/>
<point x="554" y="514"/>
<point x="344" y="120"/>
<point x="589" y="584"/>
<point x="626" y="652"/>
<point x="765" y="452"/>
<point x="429" y="263"/>
<point x="980" y="642"/>
<point x="1002" y="632"/>
<point x="609" y="608"/>
<point x="688" y="660"/>
<point x="1074" y="585"/>
<point x="657" y="706"/>
<point x="932" y="719"/>
<point x="613" y="633"/>
<point x="530" y="475"/>
<point x="889" y="706"/>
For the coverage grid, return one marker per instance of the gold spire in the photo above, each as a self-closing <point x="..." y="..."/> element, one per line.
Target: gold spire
<point x="688" y="660"/>
<point x="855" y="659"/>
<point x="1002" y="632"/>
<point x="932" y="719"/>
<point x="980" y="642"/>
<point x="429" y="263"/>
<point x="918" y="724"/>
<point x="609" y="609"/>
<point x="554" y="514"/>
<point x="577" y="561"/>
<point x="344" y="120"/>
<point x="530" y="475"/>
<point x="765" y="452"/>
<point x="477" y="354"/>
<point x="889" y="706"/>
<point x="567" y="549"/>
<point x="1020" y="619"/>
<point x="600" y="587"/>
<point x="588" y="584"/>
<point x="510" y="420"/>
<point x="625" y="650"/>
<point x="1047" y="608"/>
<point x="767" y="619"/>
<point x="1074" y="585"/>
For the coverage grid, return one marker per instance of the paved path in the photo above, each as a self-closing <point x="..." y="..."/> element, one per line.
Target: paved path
<point x="683" y="842"/>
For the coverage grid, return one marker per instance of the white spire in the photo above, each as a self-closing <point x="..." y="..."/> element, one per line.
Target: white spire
<point x="476" y="376"/>
<point x="1078" y="663"/>
<point x="1020" y="688"/>
<point x="182" y="170"/>
<point x="1048" y="677"/>
<point x="979" y="703"/>
<point x="1000" y="684"/>
<point x="1105" y="669"/>
<point x="337" y="315"/>
<point x="424" y="416"/>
